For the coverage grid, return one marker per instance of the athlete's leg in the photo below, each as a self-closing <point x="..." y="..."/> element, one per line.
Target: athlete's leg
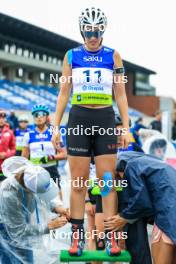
<point x="53" y="171"/>
<point x="79" y="152"/>
<point x="174" y="259"/>
<point x="162" y="253"/>
<point x="90" y="227"/>
<point x="57" y="181"/>
<point x="99" y="224"/>
<point x="90" y="208"/>
<point x="79" y="168"/>
<point x="90" y="211"/>
<point x="106" y="163"/>
<point x="91" y="241"/>
<point x="94" y="222"/>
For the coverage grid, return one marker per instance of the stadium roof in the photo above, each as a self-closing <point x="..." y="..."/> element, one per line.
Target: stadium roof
<point x="134" y="67"/>
<point x="20" y="30"/>
<point x="16" y="30"/>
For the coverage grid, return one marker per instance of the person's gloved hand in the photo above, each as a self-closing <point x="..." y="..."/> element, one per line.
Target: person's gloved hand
<point x="46" y="159"/>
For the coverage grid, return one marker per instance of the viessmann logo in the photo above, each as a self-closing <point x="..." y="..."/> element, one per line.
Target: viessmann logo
<point x="92" y="58"/>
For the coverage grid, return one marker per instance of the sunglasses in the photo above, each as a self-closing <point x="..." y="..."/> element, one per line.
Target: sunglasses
<point x="23" y="121"/>
<point x="95" y="34"/>
<point x="2" y="115"/>
<point x="39" y="114"/>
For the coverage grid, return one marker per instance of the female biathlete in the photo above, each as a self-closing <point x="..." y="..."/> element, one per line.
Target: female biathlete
<point x="94" y="70"/>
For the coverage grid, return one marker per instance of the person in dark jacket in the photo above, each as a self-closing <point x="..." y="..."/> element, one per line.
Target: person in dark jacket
<point x="151" y="191"/>
<point x="135" y="130"/>
<point x="133" y="145"/>
<point x="12" y="120"/>
<point x="157" y="124"/>
<point x="140" y="252"/>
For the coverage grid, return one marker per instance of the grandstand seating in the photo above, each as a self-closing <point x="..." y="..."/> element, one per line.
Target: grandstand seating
<point x="21" y="96"/>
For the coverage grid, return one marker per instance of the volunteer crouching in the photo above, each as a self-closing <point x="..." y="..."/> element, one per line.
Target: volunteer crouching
<point x="151" y="192"/>
<point x="27" y="197"/>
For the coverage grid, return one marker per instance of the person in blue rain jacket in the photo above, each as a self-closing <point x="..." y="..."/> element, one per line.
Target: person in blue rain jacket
<point x="151" y="192"/>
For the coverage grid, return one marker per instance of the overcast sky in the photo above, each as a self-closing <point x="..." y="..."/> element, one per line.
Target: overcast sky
<point x="142" y="31"/>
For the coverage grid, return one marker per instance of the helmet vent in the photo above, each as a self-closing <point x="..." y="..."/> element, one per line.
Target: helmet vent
<point x="88" y="14"/>
<point x="93" y="14"/>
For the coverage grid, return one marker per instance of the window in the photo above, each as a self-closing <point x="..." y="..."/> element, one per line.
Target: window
<point x="42" y="76"/>
<point x="142" y="77"/>
<point x="142" y="85"/>
<point x="20" y="72"/>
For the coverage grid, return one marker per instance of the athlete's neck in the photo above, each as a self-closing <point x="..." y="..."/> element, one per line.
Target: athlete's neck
<point x="41" y="128"/>
<point x="93" y="50"/>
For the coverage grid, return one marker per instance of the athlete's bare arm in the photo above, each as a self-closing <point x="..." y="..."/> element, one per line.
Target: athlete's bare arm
<point x="120" y="97"/>
<point x="64" y="94"/>
<point x="25" y="152"/>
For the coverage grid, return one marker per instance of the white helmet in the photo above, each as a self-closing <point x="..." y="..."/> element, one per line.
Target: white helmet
<point x="23" y="118"/>
<point x="92" y="17"/>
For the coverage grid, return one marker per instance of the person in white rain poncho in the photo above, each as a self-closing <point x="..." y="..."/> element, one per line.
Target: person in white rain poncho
<point x="27" y="197"/>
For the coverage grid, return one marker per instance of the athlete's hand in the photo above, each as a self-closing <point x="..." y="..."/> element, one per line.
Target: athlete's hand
<point x="115" y="223"/>
<point x="56" y="140"/>
<point x="125" y="140"/>
<point x="90" y="209"/>
<point x="57" y="222"/>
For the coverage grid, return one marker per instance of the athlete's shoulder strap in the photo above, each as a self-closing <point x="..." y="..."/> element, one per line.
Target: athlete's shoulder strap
<point x="69" y="56"/>
<point x="71" y="52"/>
<point x="108" y="50"/>
<point x="31" y="133"/>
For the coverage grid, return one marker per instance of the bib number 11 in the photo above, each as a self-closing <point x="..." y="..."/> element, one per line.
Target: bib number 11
<point x="87" y="73"/>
